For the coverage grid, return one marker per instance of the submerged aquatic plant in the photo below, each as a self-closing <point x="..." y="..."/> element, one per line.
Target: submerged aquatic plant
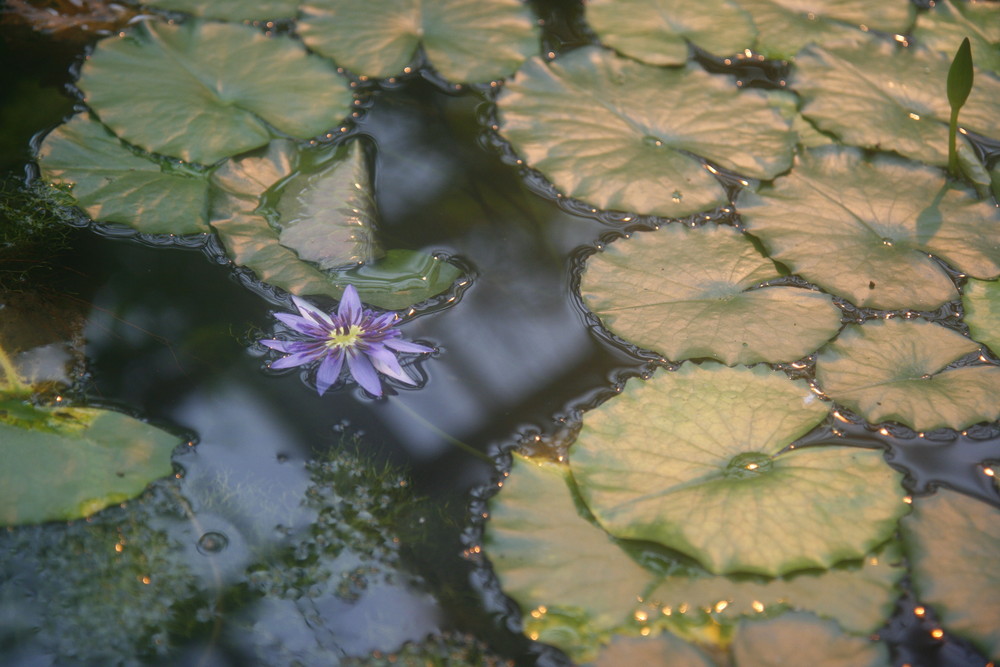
<point x="367" y="340"/>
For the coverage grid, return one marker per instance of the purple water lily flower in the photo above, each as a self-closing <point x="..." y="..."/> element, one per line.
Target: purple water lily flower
<point x="366" y="339"/>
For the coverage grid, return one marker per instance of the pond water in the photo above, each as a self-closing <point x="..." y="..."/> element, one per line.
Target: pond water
<point x="322" y="528"/>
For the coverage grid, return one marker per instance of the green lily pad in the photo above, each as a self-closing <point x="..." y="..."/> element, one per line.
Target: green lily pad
<point x="687" y="293"/>
<point x="287" y="214"/>
<point x="887" y="98"/>
<point x="658" y="31"/>
<point x="862" y="228"/>
<point x="115" y="184"/>
<point x="540" y="545"/>
<point x="785" y="26"/>
<point x="981" y="302"/>
<point x="895" y="370"/>
<point x="947" y="23"/>
<point x="663" y="649"/>
<point x="799" y="638"/>
<point x="67" y="463"/>
<point x="205" y="91"/>
<point x="787" y="104"/>
<point x="465" y="40"/>
<point x="326" y="213"/>
<point x="952" y="542"/>
<point x="621" y="135"/>
<point x="861" y="598"/>
<point x="694" y="460"/>
<point x="230" y="10"/>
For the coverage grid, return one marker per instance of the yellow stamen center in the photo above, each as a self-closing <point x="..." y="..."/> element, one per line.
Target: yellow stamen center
<point x="345" y="338"/>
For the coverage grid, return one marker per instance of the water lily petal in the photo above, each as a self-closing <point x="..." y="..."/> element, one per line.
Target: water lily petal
<point x="363" y="371"/>
<point x="400" y="345"/>
<point x="350" y="311"/>
<point x="329" y="371"/>
<point x="288" y="346"/>
<point x="312" y="313"/>
<point x="300" y="324"/>
<point x="385" y="363"/>
<point x="293" y="360"/>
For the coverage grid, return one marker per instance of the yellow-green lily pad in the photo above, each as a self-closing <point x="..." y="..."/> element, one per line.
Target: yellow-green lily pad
<point x="658" y="31"/>
<point x="67" y="462"/>
<point x="622" y="135"/>
<point x="689" y="293"/>
<point x="952" y="542"/>
<point x="798" y="638"/>
<point x="896" y="370"/>
<point x="696" y="460"/>
<point x="981" y="301"/>
<point x="112" y="183"/>
<point x="947" y="23"/>
<point x="465" y="40"/>
<point x="204" y="91"/>
<point x="885" y="97"/>
<point x="862" y="228"/>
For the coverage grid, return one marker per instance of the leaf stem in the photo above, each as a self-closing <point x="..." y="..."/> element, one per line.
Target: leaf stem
<point x="12" y="380"/>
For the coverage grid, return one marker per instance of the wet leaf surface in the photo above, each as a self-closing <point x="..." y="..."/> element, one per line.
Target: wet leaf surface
<point x="895" y="370"/>
<point x="687" y="293"/>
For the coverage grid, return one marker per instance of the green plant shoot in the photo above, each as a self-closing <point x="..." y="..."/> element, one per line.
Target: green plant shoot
<point x="960" y="78"/>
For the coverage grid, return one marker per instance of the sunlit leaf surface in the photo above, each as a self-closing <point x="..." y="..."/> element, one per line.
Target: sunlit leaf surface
<point x="952" y="542"/>
<point x="540" y="547"/>
<point x="67" y="463"/>
<point x="981" y="302"/>
<point x="785" y="26"/>
<point x="230" y="10"/>
<point x="465" y="40"/>
<point x="205" y="91"/>
<point x="884" y="97"/>
<point x="690" y="459"/>
<point x="321" y="214"/>
<point x="865" y="596"/>
<point x="663" y="649"/>
<point x="862" y="228"/>
<point x="802" y="639"/>
<point x="114" y="184"/>
<point x="686" y="293"/>
<point x="895" y="370"/>
<point x="943" y="27"/>
<point x="621" y="135"/>
<point x="658" y="31"/>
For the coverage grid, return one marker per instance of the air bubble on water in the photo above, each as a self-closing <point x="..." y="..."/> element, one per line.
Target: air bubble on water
<point x="212" y="542"/>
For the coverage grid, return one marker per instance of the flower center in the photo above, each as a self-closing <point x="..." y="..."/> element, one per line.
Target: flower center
<point x="345" y="338"/>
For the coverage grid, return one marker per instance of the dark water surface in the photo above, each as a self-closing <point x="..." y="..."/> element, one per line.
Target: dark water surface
<point x="169" y="336"/>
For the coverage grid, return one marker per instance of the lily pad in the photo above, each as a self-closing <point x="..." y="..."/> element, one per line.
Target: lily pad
<point x="952" y="542"/>
<point x="798" y="638"/>
<point x="326" y="213"/>
<point x="658" y="31"/>
<point x="205" y="91"/>
<point x="465" y="40"/>
<point x="688" y="293"/>
<point x="862" y="228"/>
<point x="540" y="545"/>
<point x="663" y="649"/>
<point x="622" y="135"/>
<point x="888" y="98"/>
<point x="67" y="463"/>
<point x="861" y="598"/>
<point x="695" y="460"/>
<point x="115" y="184"/>
<point x="981" y="302"/>
<point x="785" y="26"/>
<point x="947" y="23"/>
<point x="230" y="10"/>
<point x="285" y="214"/>
<point x="895" y="370"/>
